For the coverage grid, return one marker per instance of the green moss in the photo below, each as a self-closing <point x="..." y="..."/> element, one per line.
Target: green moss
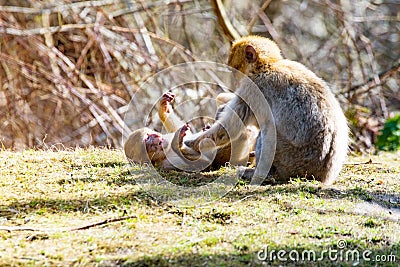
<point x="389" y="136"/>
<point x="73" y="188"/>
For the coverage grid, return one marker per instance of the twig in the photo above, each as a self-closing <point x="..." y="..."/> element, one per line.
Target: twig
<point x="371" y="83"/>
<point x="362" y="163"/>
<point x="55" y="9"/>
<point x="254" y="19"/>
<point x="107" y="221"/>
<point x="154" y="36"/>
<point x="244" y="198"/>
<point x="223" y="20"/>
<point x="24" y="228"/>
<point x="128" y="10"/>
<point x="19" y="228"/>
<point x="271" y="30"/>
<point x="44" y="30"/>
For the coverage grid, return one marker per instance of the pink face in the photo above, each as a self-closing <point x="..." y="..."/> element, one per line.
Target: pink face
<point x="154" y="146"/>
<point x="154" y="142"/>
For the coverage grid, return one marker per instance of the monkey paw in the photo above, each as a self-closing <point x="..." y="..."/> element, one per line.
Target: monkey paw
<point x="166" y="100"/>
<point x="168" y="96"/>
<point x="247" y="174"/>
<point x="184" y="130"/>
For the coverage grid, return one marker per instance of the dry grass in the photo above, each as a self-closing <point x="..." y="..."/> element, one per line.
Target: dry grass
<point x="54" y="191"/>
<point x="68" y="69"/>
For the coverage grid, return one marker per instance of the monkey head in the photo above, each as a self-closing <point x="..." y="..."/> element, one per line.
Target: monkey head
<point x="145" y="145"/>
<point x="252" y="54"/>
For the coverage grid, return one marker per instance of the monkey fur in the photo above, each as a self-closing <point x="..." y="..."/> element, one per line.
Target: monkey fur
<point x="311" y="129"/>
<point x="148" y="146"/>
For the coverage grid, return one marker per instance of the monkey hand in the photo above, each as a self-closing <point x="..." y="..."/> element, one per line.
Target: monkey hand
<point x="168" y="96"/>
<point x="183" y="131"/>
<point x="179" y="147"/>
<point x="166" y="101"/>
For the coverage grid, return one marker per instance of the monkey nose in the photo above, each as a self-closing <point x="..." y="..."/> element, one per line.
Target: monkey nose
<point x="156" y="141"/>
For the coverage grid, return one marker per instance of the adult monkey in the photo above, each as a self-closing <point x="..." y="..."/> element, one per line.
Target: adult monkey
<point x="311" y="129"/>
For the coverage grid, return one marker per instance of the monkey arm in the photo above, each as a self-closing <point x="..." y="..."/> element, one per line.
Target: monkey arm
<point x="171" y="121"/>
<point x="224" y="98"/>
<point x="184" y="158"/>
<point x="230" y="125"/>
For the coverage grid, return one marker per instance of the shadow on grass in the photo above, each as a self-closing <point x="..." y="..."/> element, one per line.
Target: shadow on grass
<point x="370" y="202"/>
<point x="110" y="164"/>
<point x="125" y="177"/>
<point x="128" y="177"/>
<point x="388" y="202"/>
<point x="354" y="254"/>
<point x="56" y="205"/>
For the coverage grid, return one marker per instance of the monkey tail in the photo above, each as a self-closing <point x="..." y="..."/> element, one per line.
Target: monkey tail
<point x="338" y="151"/>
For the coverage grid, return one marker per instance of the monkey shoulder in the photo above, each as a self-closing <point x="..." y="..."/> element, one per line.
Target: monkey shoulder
<point x="290" y="79"/>
<point x="299" y="100"/>
<point x="293" y="72"/>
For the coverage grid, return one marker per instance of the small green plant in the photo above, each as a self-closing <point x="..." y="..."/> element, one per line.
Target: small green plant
<point x="389" y="137"/>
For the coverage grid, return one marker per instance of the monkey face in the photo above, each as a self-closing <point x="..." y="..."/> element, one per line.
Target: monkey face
<point x="155" y="144"/>
<point x="236" y="59"/>
<point x="250" y="52"/>
<point x="242" y="57"/>
<point x="144" y="145"/>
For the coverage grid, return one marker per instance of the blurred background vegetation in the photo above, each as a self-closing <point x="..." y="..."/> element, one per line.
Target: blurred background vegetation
<point x="70" y="68"/>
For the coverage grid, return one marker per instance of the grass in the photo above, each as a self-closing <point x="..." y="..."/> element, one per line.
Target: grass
<point x="55" y="191"/>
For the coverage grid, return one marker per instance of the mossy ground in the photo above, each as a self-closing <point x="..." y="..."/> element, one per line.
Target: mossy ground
<point x="53" y="191"/>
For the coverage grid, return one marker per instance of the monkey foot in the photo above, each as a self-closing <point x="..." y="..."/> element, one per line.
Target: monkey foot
<point x="247" y="174"/>
<point x="184" y="129"/>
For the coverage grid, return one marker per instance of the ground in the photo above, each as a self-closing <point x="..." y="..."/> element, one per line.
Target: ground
<point x="48" y="197"/>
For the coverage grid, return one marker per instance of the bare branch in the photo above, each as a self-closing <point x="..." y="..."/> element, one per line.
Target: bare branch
<point x="224" y="21"/>
<point x="85" y="227"/>
<point x="254" y="19"/>
<point x="55" y="9"/>
<point x="371" y="82"/>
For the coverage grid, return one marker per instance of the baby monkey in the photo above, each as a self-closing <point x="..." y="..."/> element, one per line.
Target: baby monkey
<point x="148" y="146"/>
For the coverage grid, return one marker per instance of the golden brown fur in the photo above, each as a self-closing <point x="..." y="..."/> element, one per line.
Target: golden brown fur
<point x="311" y="130"/>
<point x="148" y="146"/>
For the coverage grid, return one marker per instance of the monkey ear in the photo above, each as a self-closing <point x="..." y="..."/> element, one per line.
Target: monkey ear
<point x="250" y="54"/>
